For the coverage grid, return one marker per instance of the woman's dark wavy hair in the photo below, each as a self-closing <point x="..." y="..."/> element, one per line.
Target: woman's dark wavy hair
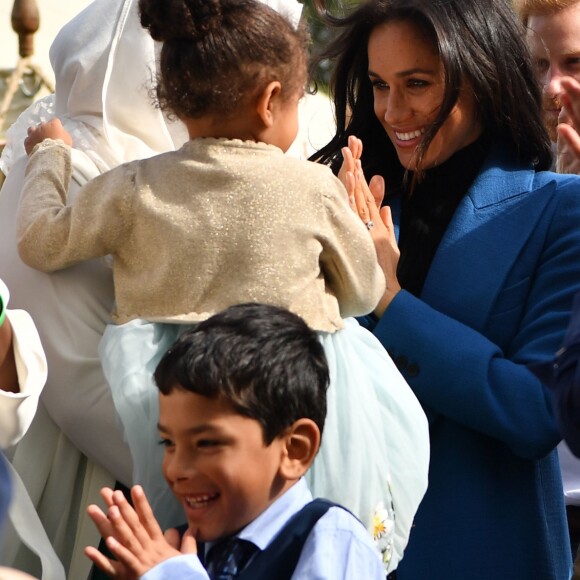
<point x="216" y="53"/>
<point x="480" y="42"/>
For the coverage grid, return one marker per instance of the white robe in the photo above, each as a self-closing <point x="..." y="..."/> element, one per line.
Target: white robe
<point x="17" y="410"/>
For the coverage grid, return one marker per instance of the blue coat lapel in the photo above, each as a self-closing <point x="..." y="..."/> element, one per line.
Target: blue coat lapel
<point x="486" y="235"/>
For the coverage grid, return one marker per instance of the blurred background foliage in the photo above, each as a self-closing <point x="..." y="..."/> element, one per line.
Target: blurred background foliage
<point x="321" y="33"/>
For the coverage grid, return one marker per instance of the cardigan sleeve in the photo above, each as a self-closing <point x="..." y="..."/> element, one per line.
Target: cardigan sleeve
<point x="52" y="235"/>
<point x="465" y="377"/>
<point x="349" y="259"/>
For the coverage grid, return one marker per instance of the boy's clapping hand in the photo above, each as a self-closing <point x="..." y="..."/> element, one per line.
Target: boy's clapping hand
<point x="133" y="536"/>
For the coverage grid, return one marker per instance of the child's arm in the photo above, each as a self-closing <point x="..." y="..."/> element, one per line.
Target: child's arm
<point x="134" y="537"/>
<point x="53" y="233"/>
<point x="348" y="260"/>
<point x="366" y="201"/>
<point x="51" y="130"/>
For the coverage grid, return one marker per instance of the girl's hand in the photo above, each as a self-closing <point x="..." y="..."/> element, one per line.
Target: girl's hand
<point x="52" y="129"/>
<point x="365" y="200"/>
<point x="350" y="155"/>
<point x="133" y="536"/>
<point x="568" y="159"/>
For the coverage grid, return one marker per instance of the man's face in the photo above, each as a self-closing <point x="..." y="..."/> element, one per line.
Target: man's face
<point x="554" y="41"/>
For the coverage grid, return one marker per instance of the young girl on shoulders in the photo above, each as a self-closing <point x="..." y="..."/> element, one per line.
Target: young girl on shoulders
<point x="227" y="219"/>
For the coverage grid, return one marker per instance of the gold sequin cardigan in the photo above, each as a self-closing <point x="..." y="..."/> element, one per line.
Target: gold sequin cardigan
<point x="193" y="231"/>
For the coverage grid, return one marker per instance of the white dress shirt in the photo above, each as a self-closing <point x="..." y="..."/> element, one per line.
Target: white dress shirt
<point x="338" y="547"/>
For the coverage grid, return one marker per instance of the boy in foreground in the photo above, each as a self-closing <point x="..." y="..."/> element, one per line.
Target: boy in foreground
<point x="242" y="409"/>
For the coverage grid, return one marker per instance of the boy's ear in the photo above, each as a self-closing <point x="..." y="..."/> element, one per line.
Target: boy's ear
<point x="302" y="443"/>
<point x="267" y="99"/>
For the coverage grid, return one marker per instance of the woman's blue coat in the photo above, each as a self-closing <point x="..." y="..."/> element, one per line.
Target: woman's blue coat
<point x="498" y="296"/>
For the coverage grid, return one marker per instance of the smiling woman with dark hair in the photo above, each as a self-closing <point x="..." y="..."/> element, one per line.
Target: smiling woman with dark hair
<point x="437" y="101"/>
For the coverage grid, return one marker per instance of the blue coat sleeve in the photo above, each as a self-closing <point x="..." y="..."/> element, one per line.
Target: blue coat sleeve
<point x="462" y="375"/>
<point x="566" y="383"/>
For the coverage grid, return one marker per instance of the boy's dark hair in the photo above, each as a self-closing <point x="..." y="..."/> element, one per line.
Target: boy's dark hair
<point x="480" y="42"/>
<point x="217" y="53"/>
<point x="263" y="359"/>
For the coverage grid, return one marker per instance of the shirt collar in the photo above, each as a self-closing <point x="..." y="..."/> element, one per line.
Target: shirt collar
<point x="263" y="529"/>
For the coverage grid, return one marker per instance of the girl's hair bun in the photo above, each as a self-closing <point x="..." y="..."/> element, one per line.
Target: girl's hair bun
<point x="168" y="20"/>
<point x="217" y="54"/>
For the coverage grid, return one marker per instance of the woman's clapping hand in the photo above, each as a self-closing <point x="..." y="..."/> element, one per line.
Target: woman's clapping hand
<point x="365" y="200"/>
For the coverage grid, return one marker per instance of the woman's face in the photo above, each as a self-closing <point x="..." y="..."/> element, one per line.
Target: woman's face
<point x="408" y="88"/>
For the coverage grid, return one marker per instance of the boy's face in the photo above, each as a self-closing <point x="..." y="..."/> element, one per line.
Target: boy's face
<point x="217" y="464"/>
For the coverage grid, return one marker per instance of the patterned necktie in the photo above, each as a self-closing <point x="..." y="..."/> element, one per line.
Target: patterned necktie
<point x="228" y="558"/>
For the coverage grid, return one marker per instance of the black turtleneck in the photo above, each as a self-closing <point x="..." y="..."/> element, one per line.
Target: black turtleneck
<point x="427" y="211"/>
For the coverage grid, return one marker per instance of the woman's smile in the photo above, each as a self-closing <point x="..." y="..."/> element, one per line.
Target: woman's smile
<point x="410" y="135"/>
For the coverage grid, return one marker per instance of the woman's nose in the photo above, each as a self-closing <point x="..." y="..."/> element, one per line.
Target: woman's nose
<point x="396" y="110"/>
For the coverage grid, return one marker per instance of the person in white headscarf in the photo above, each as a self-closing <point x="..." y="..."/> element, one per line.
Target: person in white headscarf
<point x="22" y="377"/>
<point x="22" y="371"/>
<point x="104" y="63"/>
<point x="102" y="76"/>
